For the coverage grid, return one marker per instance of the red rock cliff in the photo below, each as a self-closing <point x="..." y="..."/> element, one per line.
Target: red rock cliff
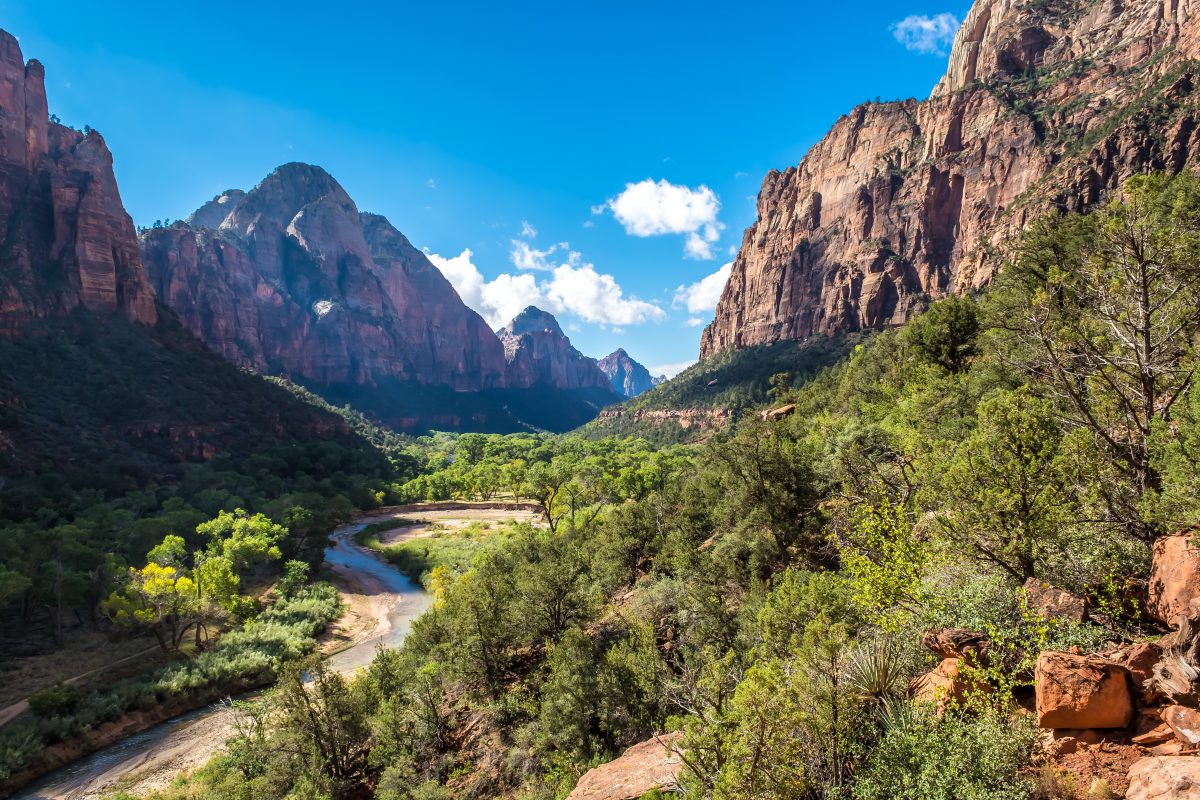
<point x="540" y="354"/>
<point x="291" y="279"/>
<point x="68" y="242"/>
<point x="1044" y="104"/>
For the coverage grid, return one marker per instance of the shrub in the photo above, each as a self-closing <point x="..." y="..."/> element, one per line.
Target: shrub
<point x="55" y="701"/>
<point x="956" y="757"/>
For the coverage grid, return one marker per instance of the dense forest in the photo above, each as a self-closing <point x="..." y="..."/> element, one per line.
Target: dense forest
<point x="765" y="594"/>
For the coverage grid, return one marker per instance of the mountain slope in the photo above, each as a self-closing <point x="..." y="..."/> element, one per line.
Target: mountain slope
<point x="626" y="376"/>
<point x="291" y="279"/>
<point x="1046" y="104"/>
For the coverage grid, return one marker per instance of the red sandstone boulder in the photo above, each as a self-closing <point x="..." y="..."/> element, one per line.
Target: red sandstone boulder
<point x="640" y="769"/>
<point x="944" y="685"/>
<point x="956" y="643"/>
<point x="1139" y="659"/>
<point x="1184" y="723"/>
<point x="1076" y="691"/>
<point x="1165" y="778"/>
<point x="1052" y="602"/>
<point x="1174" y="579"/>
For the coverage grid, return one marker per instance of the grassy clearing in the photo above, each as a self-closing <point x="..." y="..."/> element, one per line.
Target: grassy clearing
<point x="454" y="549"/>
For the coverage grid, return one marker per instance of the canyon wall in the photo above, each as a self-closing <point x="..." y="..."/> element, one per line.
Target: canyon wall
<point x="1046" y="104"/>
<point x="68" y="242"/>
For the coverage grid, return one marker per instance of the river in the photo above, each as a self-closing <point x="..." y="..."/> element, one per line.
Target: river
<point x="150" y="759"/>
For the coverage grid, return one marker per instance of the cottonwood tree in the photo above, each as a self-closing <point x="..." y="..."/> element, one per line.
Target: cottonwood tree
<point x="1103" y="310"/>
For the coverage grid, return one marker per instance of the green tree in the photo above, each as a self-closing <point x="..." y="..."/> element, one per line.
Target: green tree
<point x="1102" y="311"/>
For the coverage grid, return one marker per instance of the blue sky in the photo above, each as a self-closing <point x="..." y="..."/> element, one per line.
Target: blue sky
<point x="591" y="157"/>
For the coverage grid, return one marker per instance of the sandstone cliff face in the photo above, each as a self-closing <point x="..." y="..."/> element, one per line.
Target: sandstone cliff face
<point x="291" y="279"/>
<point x="626" y="376"/>
<point x="68" y="242"/>
<point x="539" y="354"/>
<point x="1045" y="104"/>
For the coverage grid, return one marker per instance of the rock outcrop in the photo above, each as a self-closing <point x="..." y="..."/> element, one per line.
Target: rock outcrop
<point x="538" y="353"/>
<point x="651" y="765"/>
<point x="626" y="376"/>
<point x="68" y="242"/>
<point x="1084" y="692"/>
<point x="1174" y="588"/>
<point x="290" y="279"/>
<point x="1043" y="105"/>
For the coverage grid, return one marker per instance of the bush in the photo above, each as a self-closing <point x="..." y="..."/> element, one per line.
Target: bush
<point x="957" y="757"/>
<point x="55" y="701"/>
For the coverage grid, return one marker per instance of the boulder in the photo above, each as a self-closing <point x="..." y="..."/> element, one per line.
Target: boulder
<point x="1165" y="778"/>
<point x="640" y="769"/>
<point x="776" y="414"/>
<point x="944" y="685"/>
<point x="1079" y="691"/>
<point x="1051" y="602"/>
<point x="956" y="643"/>
<point x="1184" y="723"/>
<point x="1174" y="579"/>
<point x="1139" y="659"/>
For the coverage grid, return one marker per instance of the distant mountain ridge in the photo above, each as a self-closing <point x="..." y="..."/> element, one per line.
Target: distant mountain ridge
<point x="627" y="377"/>
<point x="291" y="279"/>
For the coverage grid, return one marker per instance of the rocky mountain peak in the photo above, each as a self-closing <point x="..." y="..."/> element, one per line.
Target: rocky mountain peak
<point x="1044" y="105"/>
<point x="214" y="212"/>
<point x="626" y="376"/>
<point x="71" y="243"/>
<point x="533" y="320"/>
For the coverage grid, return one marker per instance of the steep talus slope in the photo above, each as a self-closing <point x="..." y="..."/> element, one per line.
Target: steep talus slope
<point x="67" y="241"/>
<point x="626" y="376"/>
<point x="1046" y="103"/>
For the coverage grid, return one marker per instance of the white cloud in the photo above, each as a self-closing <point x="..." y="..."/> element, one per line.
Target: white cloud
<point x="524" y="256"/>
<point x="431" y="183"/>
<point x="703" y="295"/>
<point x="655" y="208"/>
<point x="573" y="287"/>
<point x="497" y="301"/>
<point x="925" y="34"/>
<point x="671" y="370"/>
<point x="695" y="322"/>
<point x="527" y="230"/>
<point x="594" y="297"/>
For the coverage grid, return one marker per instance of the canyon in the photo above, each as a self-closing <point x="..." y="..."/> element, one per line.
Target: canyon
<point x="1044" y="106"/>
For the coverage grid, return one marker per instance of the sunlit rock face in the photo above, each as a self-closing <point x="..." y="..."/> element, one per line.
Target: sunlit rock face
<point x="1044" y="105"/>
<point x="626" y="376"/>
<point x="67" y="241"/>
<point x="291" y="279"/>
<point x="539" y="354"/>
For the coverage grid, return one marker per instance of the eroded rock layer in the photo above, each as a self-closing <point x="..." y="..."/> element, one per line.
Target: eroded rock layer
<point x="1045" y="104"/>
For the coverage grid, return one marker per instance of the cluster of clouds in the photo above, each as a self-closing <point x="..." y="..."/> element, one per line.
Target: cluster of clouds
<point x="558" y="279"/>
<point x="702" y="296"/>
<point x="555" y="279"/>
<point x="658" y="208"/>
<point x="929" y="35"/>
